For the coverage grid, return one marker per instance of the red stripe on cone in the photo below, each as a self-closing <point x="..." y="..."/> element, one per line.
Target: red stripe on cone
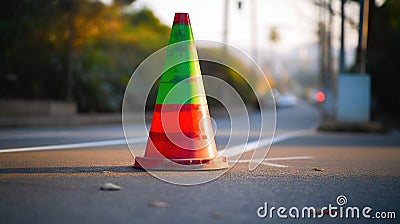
<point x="193" y="118"/>
<point x="162" y="145"/>
<point x="181" y="18"/>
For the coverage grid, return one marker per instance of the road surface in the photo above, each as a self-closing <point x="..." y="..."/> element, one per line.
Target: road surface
<point x="303" y="168"/>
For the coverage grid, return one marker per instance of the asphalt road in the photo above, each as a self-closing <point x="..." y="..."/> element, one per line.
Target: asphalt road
<point x="303" y="168"/>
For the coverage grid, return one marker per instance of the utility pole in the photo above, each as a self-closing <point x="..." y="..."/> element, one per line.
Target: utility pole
<point x="326" y="68"/>
<point x="254" y="30"/>
<point x="329" y="59"/>
<point x="321" y="38"/>
<point x="226" y="22"/>
<point x="362" y="36"/>
<point x="342" y="42"/>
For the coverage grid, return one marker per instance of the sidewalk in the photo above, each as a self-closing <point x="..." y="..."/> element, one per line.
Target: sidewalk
<point x="63" y="120"/>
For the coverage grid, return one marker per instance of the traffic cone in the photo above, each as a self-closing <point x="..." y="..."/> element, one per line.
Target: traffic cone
<point x="181" y="135"/>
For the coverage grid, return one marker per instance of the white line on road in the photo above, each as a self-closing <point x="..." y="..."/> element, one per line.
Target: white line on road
<point x="273" y="159"/>
<point x="233" y="151"/>
<point x="277" y="159"/>
<point x="240" y="149"/>
<point x="265" y="163"/>
<point x="76" y="145"/>
<point x="274" y="165"/>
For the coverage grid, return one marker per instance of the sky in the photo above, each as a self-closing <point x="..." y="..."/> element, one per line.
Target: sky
<point x="296" y="21"/>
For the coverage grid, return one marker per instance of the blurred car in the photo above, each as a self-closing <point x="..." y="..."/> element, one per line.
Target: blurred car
<point x="286" y="100"/>
<point x="276" y="94"/>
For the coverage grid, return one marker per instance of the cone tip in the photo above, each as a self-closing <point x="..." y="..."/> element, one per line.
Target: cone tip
<point x="181" y="18"/>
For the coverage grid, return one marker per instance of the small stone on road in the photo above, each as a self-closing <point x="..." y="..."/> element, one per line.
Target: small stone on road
<point x="110" y="187"/>
<point x="160" y="204"/>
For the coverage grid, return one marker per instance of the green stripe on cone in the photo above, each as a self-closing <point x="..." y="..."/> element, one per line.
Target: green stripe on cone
<point x="181" y="81"/>
<point x="180" y="32"/>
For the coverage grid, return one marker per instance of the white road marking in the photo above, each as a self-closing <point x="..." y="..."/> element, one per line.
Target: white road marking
<point x="276" y="159"/>
<point x="264" y="163"/>
<point x="274" y="165"/>
<point x="240" y="149"/>
<point x="231" y="152"/>
<point x="76" y="145"/>
<point x="273" y="159"/>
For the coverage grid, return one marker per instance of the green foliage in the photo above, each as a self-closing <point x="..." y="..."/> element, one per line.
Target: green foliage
<point x="232" y="77"/>
<point x="105" y="43"/>
<point x="383" y="56"/>
<point x="102" y="44"/>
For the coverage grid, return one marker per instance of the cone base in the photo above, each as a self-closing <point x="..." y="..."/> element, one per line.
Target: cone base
<point x="180" y="164"/>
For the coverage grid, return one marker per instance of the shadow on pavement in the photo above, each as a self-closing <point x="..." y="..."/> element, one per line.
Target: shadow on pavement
<point x="91" y="169"/>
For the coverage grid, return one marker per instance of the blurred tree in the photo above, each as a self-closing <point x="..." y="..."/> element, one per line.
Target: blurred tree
<point x="383" y="56"/>
<point x="82" y="50"/>
<point x="30" y="56"/>
<point x="229" y="75"/>
<point x="46" y="44"/>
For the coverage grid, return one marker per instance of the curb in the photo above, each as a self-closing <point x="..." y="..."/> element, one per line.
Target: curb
<point x="364" y="127"/>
